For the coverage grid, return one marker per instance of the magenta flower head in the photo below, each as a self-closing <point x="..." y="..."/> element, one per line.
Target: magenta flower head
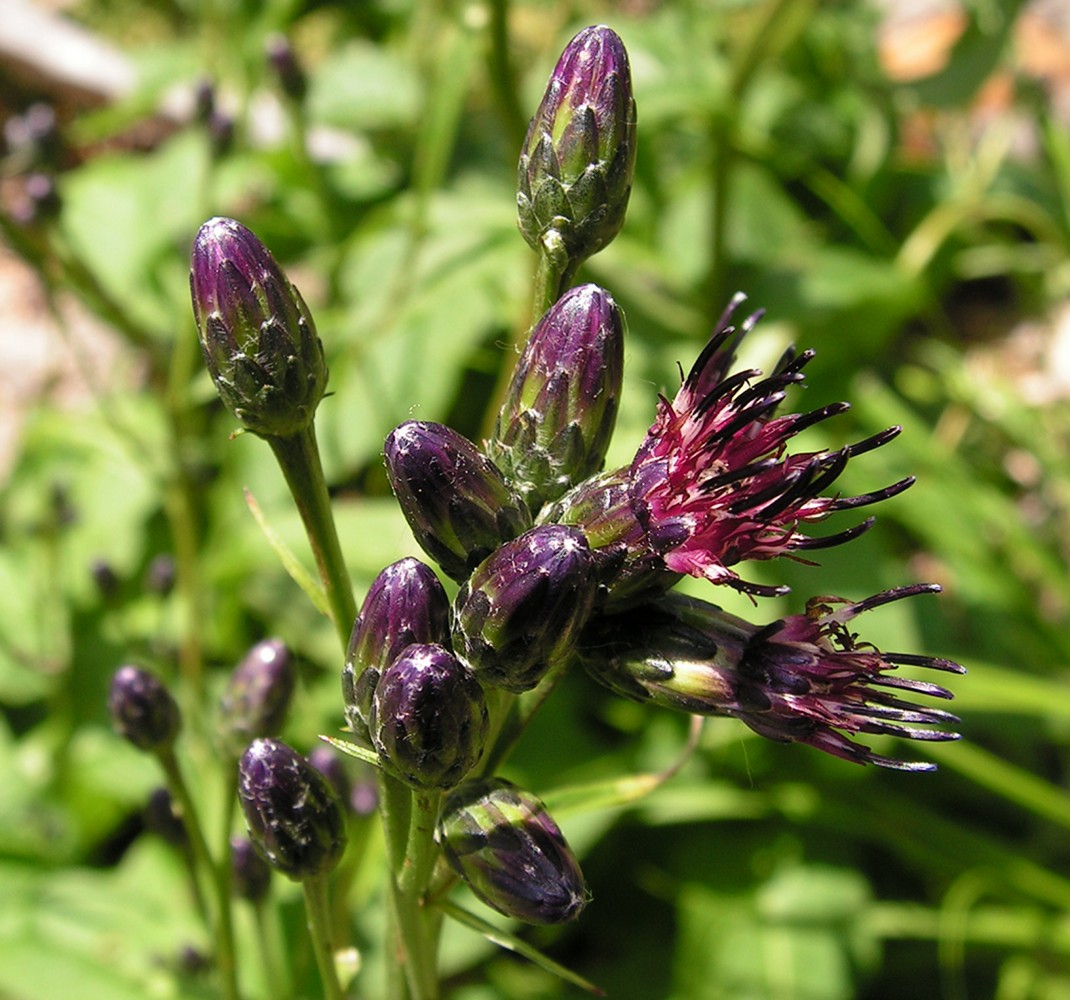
<point x="802" y="679"/>
<point x="258" y="695"/>
<point x="294" y="816"/>
<point x="456" y="500"/>
<point x="521" y="611"/>
<point x="559" y="411"/>
<point x="405" y="604"/>
<point x="714" y="484"/>
<point x="143" y="710"/>
<point x="576" y="164"/>
<point x="428" y="718"/>
<point x="502" y="841"/>
<point x="257" y="335"/>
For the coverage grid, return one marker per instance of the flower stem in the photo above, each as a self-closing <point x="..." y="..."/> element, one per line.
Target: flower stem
<point x="319" y="928"/>
<point x="299" y="458"/>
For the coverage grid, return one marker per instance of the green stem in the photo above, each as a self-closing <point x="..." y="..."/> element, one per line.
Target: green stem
<point x="299" y="458"/>
<point x="269" y="941"/>
<point x="552" y="278"/>
<point x="502" y="76"/>
<point x="319" y="928"/>
<point x="224" y="930"/>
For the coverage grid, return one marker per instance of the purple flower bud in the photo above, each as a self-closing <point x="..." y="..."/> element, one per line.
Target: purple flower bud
<point x="143" y="710"/>
<point x="160" y="575"/>
<point x="803" y="679"/>
<point x="258" y="695"/>
<point x="294" y="816"/>
<point x="329" y="763"/>
<point x="576" y="165"/>
<point x="257" y="335"/>
<point x="457" y="502"/>
<point x="405" y="604"/>
<point x="250" y="873"/>
<point x="161" y="818"/>
<point x="522" y="609"/>
<point x="288" y="71"/>
<point x="555" y="424"/>
<point x="429" y="718"/>
<point x="106" y="579"/>
<point x="501" y="840"/>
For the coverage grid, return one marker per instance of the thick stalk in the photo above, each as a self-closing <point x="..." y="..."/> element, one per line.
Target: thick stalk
<point x="319" y="928"/>
<point x="299" y="458"/>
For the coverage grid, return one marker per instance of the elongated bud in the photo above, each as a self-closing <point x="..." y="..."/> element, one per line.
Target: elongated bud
<point x="501" y="840"/>
<point x="429" y="717"/>
<point x="143" y="710"/>
<point x="456" y="500"/>
<point x="160" y="817"/>
<point x="258" y="695"/>
<point x="257" y="335"/>
<point x="405" y="604"/>
<point x="559" y="411"/>
<point x="576" y="165"/>
<point x="522" y="609"/>
<point x="283" y="61"/>
<point x="250" y="873"/>
<point x="294" y="816"/>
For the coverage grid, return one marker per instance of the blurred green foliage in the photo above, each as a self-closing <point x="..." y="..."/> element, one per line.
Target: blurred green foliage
<point x="900" y="228"/>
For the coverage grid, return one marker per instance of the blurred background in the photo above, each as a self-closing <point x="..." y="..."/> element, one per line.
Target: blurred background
<point x="889" y="180"/>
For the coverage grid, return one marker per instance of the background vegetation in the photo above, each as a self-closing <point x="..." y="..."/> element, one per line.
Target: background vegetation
<point x="911" y="223"/>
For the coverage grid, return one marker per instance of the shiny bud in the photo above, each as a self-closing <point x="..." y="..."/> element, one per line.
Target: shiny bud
<point x="501" y="840"/>
<point x="258" y="695"/>
<point x="143" y="710"/>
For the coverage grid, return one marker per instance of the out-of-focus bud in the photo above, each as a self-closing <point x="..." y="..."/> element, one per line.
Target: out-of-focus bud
<point x="106" y="579"/>
<point x="258" y="695"/>
<point x="501" y="840"/>
<point x="560" y="408"/>
<point x="257" y="335"/>
<point x="457" y="502"/>
<point x="250" y="873"/>
<point x="33" y="139"/>
<point x="160" y="575"/>
<point x="429" y="718"/>
<point x="576" y="165"/>
<point x="143" y="710"/>
<point x="204" y="103"/>
<point x="295" y="819"/>
<point x="161" y="818"/>
<point x="329" y="764"/>
<point x="521" y="611"/>
<point x="284" y="64"/>
<point x="220" y="128"/>
<point x="38" y="201"/>
<point x="405" y="604"/>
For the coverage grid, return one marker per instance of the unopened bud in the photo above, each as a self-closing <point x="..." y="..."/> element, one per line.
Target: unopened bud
<point x="258" y="695"/>
<point x="250" y="873"/>
<point x="143" y="710"/>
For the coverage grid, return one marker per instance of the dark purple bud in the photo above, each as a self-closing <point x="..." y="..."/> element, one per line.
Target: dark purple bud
<point x="457" y="502"/>
<point x="162" y="819"/>
<point x="559" y="411"/>
<point x="405" y="604"/>
<point x="220" y="127"/>
<point x="257" y="335"/>
<point x="288" y="71"/>
<point x="522" y="609"/>
<point x="258" y="695"/>
<point x="294" y="816"/>
<point x="429" y="718"/>
<point x="576" y="165"/>
<point x="143" y="710"/>
<point x="204" y="103"/>
<point x="330" y="765"/>
<point x="106" y="579"/>
<point x="250" y="873"/>
<point x="501" y="840"/>
<point x="160" y="575"/>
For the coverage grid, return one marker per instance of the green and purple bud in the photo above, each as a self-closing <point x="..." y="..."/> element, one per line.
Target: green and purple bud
<point x="803" y="679"/>
<point x="559" y="411"/>
<point x="456" y="500"/>
<point x="250" y="874"/>
<point x="295" y="819"/>
<point x="521" y="611"/>
<point x="257" y="335"/>
<point x="502" y="841"/>
<point x="429" y="718"/>
<point x="405" y="604"/>
<point x="257" y="696"/>
<point x="143" y="710"/>
<point x="576" y="165"/>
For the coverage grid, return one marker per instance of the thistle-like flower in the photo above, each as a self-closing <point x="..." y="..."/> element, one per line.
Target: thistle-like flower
<point x="502" y="841"/>
<point x="143" y="710"/>
<point x="429" y="717"/>
<point x="405" y="604"/>
<point x="456" y="500"/>
<point x="558" y="415"/>
<point x="713" y="483"/>
<point x="295" y="819"/>
<point x="802" y="679"/>
<point x="257" y="335"/>
<point x="521" y="611"/>
<point x="576" y="164"/>
<point x="257" y="696"/>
